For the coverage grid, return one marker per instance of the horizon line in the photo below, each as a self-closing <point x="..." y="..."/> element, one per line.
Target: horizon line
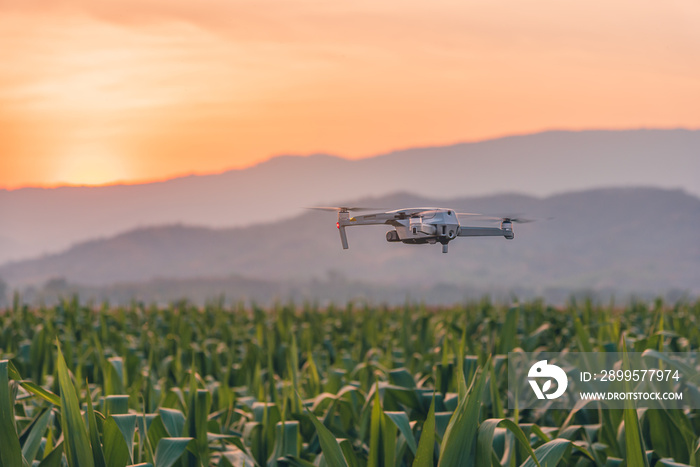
<point x="140" y="182"/>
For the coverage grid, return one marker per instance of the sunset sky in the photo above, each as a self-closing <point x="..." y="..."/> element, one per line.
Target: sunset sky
<point x="95" y="92"/>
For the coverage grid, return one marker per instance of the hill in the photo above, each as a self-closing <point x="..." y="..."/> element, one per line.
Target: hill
<point x="37" y="221"/>
<point x="625" y="239"/>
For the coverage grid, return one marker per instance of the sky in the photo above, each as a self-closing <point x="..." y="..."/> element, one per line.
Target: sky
<point x="97" y="92"/>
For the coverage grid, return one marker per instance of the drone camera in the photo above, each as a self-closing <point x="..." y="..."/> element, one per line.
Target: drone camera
<point x="392" y="236"/>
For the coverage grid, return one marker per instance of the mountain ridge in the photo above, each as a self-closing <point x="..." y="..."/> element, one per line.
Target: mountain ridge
<point x="37" y="220"/>
<point x="642" y="239"/>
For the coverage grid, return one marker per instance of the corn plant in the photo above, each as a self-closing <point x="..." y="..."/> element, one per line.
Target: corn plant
<point x="355" y="386"/>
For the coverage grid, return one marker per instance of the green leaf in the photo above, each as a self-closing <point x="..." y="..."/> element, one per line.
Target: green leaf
<point x="549" y="454"/>
<point x="349" y="453"/>
<point x="670" y="433"/>
<point x="173" y="420"/>
<point x="244" y="452"/>
<point x="388" y="441"/>
<point x="426" y="444"/>
<point x="459" y="444"/>
<point x="33" y="388"/>
<point x="98" y="455"/>
<point x="635" y="452"/>
<point x="375" y="433"/>
<point x="484" y="448"/>
<point x="507" y="338"/>
<point x="10" y="449"/>
<point x="54" y="458"/>
<point x="117" y="404"/>
<point x="114" y="376"/>
<point x="461" y="381"/>
<point x="582" y="336"/>
<point x="442" y="421"/>
<point x="155" y="433"/>
<point x="76" y="443"/>
<point x="670" y="463"/>
<point x="253" y="435"/>
<point x="297" y="462"/>
<point x="115" y="448"/>
<point x="127" y="425"/>
<point x="169" y="450"/>
<point x="286" y="440"/>
<point x="674" y="363"/>
<point x="329" y="445"/>
<point x="45" y="394"/>
<point x="33" y="442"/>
<point x="402" y="377"/>
<point x="12" y="371"/>
<point x="405" y="396"/>
<point x="400" y="419"/>
<point x="197" y="419"/>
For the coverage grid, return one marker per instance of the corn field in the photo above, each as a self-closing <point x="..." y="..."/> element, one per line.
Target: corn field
<point x="308" y="386"/>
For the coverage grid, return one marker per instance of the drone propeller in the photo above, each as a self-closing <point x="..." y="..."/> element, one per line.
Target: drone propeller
<point x="509" y="218"/>
<point x="340" y="208"/>
<point x="517" y="220"/>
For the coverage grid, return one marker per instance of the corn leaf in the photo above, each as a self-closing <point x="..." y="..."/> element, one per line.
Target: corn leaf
<point x="484" y="448"/>
<point x="31" y="445"/>
<point x="635" y="452"/>
<point x="550" y="453"/>
<point x="98" y="455"/>
<point x="401" y="421"/>
<point x="76" y="443"/>
<point x="329" y="445"/>
<point x="459" y="444"/>
<point x="10" y="449"/>
<point x="173" y="420"/>
<point x="53" y="458"/>
<point x="169" y="450"/>
<point x="426" y="444"/>
<point x="115" y="448"/>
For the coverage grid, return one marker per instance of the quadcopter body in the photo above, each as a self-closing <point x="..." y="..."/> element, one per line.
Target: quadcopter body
<point x="421" y="225"/>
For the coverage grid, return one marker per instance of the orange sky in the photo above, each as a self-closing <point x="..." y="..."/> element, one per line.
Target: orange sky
<point x="98" y="91"/>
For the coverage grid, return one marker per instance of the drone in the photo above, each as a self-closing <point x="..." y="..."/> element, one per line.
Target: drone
<point x="416" y="226"/>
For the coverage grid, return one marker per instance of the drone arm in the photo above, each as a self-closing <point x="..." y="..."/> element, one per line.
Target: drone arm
<point x="344" y="220"/>
<point x="484" y="232"/>
<point x="343" y="236"/>
<point x="371" y="219"/>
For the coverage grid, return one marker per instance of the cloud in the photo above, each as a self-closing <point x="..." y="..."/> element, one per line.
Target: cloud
<point x="243" y="80"/>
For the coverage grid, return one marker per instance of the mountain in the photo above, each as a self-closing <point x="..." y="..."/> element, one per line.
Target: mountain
<point x="37" y="221"/>
<point x="625" y="239"/>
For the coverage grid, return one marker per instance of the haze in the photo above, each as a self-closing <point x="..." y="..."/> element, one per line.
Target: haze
<point x="97" y="92"/>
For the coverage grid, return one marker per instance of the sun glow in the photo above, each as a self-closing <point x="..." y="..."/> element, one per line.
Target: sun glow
<point x="170" y="88"/>
<point x="91" y="164"/>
